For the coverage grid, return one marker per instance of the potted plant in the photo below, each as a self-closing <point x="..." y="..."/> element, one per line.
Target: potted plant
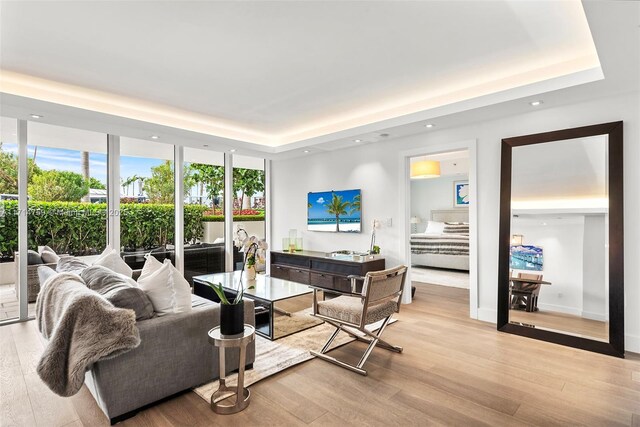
<point x="231" y="312"/>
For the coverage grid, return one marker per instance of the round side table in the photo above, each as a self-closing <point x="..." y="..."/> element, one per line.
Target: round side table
<point x="242" y="394"/>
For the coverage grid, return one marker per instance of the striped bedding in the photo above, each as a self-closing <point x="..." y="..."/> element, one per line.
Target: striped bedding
<point x="445" y="244"/>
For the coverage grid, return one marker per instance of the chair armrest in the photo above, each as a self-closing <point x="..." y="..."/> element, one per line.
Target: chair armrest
<point x="333" y="291"/>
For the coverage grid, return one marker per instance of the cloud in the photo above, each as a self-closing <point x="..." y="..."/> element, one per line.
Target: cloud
<point x="320" y="200"/>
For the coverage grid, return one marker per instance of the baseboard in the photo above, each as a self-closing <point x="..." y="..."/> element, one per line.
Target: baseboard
<point x="632" y="343"/>
<point x="489" y="315"/>
<point x="560" y="309"/>
<point x="594" y="316"/>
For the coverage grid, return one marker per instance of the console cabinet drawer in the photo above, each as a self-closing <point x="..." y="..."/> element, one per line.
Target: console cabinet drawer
<point x="342" y="284"/>
<point x="299" y="275"/>
<point x="279" y="272"/>
<point x="322" y="280"/>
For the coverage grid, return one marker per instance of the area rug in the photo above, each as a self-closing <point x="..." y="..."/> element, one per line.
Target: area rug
<point x="276" y="356"/>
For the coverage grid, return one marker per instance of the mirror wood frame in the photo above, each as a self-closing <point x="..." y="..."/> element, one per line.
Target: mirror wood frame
<point x="615" y="344"/>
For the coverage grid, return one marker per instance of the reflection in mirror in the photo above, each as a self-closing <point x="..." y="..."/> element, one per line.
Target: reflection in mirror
<point x="559" y="237"/>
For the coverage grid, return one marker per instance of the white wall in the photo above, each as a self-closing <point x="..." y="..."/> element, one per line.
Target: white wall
<point x="595" y="272"/>
<point x="561" y="241"/>
<point x="375" y="169"/>
<point x="429" y="194"/>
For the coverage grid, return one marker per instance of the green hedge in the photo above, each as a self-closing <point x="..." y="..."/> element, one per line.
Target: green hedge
<point x="220" y="218"/>
<point x="81" y="229"/>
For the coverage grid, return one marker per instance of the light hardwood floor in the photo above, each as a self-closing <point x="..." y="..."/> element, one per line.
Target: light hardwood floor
<point x="569" y="323"/>
<point x="454" y="371"/>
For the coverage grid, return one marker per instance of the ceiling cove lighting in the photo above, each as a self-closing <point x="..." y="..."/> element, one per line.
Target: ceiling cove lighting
<point x="535" y="103"/>
<point x="569" y="203"/>
<point x="425" y="169"/>
<point x="35" y="116"/>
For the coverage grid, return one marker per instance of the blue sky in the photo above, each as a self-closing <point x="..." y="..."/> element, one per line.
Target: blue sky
<point x="69" y="160"/>
<point x="318" y="200"/>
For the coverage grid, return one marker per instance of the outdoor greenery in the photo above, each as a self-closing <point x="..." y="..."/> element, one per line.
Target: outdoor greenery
<point x="9" y="171"/>
<point x="209" y="178"/>
<point x="247" y="182"/>
<point x="160" y="186"/>
<point x="80" y="228"/>
<point x="58" y="186"/>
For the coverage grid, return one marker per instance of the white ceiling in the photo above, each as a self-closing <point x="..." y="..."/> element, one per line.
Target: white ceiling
<point x="286" y="73"/>
<point x="574" y="169"/>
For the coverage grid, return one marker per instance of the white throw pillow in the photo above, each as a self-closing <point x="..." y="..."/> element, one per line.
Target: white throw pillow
<point x="181" y="289"/>
<point x="434" y="227"/>
<point x="150" y="266"/>
<point x="159" y="289"/>
<point x="110" y="258"/>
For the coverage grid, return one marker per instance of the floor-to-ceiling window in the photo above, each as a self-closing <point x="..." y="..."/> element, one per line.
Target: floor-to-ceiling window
<point x="147" y="218"/>
<point x="68" y="198"/>
<point x="9" y="305"/>
<point x="204" y="220"/>
<point x="249" y="201"/>
<point x="67" y="188"/>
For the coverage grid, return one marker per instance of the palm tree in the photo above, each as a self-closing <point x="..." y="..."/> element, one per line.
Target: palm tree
<point x="84" y="166"/>
<point x="337" y="207"/>
<point x="355" y="205"/>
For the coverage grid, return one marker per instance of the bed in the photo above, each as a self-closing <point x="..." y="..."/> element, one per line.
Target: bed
<point x="444" y="249"/>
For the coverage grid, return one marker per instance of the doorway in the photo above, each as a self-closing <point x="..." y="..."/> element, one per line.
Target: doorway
<point x="440" y="220"/>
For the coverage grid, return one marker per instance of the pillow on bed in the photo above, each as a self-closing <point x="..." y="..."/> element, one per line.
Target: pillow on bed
<point x="456" y="228"/>
<point x="434" y="227"/>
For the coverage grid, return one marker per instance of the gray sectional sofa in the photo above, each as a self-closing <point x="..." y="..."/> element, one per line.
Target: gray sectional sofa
<point x="174" y="355"/>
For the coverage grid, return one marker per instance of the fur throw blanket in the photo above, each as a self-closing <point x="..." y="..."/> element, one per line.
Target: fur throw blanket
<point x="82" y="327"/>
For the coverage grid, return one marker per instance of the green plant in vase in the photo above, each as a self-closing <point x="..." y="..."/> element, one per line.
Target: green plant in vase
<point x="231" y="311"/>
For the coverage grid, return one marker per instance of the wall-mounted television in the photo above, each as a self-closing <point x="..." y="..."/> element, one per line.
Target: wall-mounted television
<point x="526" y="257"/>
<point x="334" y="211"/>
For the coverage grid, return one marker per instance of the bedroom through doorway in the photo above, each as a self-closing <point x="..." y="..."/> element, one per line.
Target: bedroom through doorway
<point x="439" y="218"/>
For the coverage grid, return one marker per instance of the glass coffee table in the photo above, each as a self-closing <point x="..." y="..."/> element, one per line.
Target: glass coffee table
<point x="282" y="307"/>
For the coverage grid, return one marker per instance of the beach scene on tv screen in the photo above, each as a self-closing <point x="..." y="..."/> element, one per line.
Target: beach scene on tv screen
<point x="337" y="211"/>
<point x="526" y="257"/>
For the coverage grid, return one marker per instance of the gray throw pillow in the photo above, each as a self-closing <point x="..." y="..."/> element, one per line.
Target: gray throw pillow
<point x="70" y="264"/>
<point x="33" y="258"/>
<point x="49" y="256"/>
<point x="44" y="272"/>
<point x="117" y="289"/>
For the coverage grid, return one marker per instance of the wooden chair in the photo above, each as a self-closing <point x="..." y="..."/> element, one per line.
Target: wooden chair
<point x="526" y="292"/>
<point x="351" y="313"/>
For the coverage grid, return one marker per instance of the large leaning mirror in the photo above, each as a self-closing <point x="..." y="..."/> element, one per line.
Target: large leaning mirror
<point x="561" y="238"/>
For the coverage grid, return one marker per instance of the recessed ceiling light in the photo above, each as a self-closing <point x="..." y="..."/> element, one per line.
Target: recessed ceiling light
<point x="35" y="116"/>
<point x="306" y="151"/>
<point x="357" y="140"/>
<point x="429" y="125"/>
<point x="535" y="103"/>
<point x="155" y="137"/>
<point x="233" y="150"/>
<point x="205" y="145"/>
<point x="384" y="135"/>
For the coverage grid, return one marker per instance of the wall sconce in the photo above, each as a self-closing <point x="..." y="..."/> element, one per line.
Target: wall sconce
<point x="517" y="239"/>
